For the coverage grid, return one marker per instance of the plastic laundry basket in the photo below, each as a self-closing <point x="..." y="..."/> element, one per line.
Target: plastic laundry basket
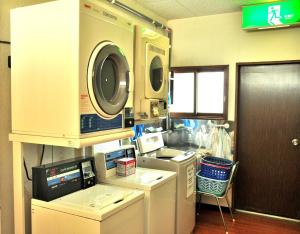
<point x="211" y="186"/>
<point x="215" y="168"/>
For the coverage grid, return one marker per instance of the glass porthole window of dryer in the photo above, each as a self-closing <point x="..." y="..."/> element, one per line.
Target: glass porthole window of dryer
<point x="156" y="73"/>
<point x="108" y="80"/>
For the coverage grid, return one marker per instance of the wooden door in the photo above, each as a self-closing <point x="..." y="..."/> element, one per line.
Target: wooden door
<point x="268" y="117"/>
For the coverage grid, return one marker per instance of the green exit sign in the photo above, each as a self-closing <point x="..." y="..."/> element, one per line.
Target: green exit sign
<point x="271" y="15"/>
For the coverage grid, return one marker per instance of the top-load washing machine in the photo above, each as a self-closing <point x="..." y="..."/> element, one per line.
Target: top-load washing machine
<point x="159" y="187"/>
<point x="100" y="209"/>
<point x="151" y="67"/>
<point x="60" y="205"/>
<point x="154" y="155"/>
<point x="72" y="72"/>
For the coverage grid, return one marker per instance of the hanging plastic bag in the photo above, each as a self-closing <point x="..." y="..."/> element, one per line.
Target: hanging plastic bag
<point x="219" y="142"/>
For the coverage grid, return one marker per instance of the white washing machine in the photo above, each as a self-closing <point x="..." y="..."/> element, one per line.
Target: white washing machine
<point x="151" y="67"/>
<point x="72" y="71"/>
<point x="159" y="187"/>
<point x="183" y="163"/>
<point x="101" y="209"/>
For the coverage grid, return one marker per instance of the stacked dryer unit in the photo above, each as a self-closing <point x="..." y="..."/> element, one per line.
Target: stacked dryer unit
<point x="151" y="67"/>
<point x="72" y="71"/>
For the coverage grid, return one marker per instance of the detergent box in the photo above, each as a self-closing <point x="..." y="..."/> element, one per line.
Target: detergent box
<point x="126" y="166"/>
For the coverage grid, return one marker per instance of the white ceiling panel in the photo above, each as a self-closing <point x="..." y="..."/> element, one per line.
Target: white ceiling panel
<point x="209" y="7"/>
<point x="169" y="9"/>
<point x="177" y="9"/>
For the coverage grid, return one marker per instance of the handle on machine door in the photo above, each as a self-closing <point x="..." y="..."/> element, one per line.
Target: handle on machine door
<point x="116" y="202"/>
<point x="295" y="142"/>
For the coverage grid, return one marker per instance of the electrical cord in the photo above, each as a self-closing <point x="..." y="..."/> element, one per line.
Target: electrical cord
<point x="41" y="161"/>
<point x="26" y="170"/>
<point x="42" y="155"/>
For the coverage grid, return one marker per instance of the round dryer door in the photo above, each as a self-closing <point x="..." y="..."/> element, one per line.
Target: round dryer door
<point x="156" y="73"/>
<point x="108" y="79"/>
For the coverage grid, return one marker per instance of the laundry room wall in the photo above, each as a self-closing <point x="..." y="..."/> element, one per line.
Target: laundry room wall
<point x="32" y="153"/>
<point x="219" y="39"/>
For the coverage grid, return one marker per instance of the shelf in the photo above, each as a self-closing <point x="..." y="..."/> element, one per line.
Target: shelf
<point x="69" y="142"/>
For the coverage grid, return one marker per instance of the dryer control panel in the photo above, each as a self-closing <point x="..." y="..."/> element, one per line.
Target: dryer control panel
<point x="162" y="108"/>
<point x="153" y="109"/>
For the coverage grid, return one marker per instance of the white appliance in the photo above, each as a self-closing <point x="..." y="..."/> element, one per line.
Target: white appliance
<point x="183" y="163"/>
<point x="159" y="187"/>
<point x="72" y="71"/>
<point x="101" y="209"/>
<point x="151" y="67"/>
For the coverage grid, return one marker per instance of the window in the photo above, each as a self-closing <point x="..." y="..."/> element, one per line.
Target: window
<point x="199" y="92"/>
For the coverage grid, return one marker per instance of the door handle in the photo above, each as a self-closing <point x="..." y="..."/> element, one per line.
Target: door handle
<point x="295" y="142"/>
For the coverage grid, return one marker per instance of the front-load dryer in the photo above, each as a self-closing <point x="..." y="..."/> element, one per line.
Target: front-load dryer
<point x="151" y="67"/>
<point x="72" y="71"/>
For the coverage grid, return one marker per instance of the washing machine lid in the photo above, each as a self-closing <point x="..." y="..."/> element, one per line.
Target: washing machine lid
<point x="145" y="179"/>
<point x="98" y="202"/>
<point x="171" y="155"/>
<point x="152" y="145"/>
<point x="174" y="154"/>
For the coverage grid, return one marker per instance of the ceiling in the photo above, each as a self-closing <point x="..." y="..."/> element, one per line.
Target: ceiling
<point x="177" y="9"/>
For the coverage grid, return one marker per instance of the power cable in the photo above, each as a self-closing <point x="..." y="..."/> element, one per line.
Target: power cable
<point x="26" y="170"/>
<point x="42" y="155"/>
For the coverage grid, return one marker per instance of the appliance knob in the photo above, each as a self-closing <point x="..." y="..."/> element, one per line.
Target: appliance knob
<point x="295" y="142"/>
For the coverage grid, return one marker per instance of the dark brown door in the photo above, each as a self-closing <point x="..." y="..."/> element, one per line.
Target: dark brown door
<point x="268" y="117"/>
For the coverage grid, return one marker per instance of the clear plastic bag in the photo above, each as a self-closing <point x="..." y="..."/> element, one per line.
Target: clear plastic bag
<point x="219" y="142"/>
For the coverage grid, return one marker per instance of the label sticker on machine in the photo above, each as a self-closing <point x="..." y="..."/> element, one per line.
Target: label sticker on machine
<point x="64" y="177"/>
<point x="190" y="183"/>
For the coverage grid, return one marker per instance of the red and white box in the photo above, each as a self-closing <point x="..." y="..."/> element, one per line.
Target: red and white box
<point x="126" y="166"/>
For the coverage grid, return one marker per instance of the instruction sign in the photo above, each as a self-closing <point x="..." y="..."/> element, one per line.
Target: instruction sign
<point x="190" y="175"/>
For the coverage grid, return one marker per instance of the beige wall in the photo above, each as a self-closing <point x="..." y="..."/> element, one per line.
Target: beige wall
<point x="6" y="181"/>
<point x="32" y="152"/>
<point x="219" y="39"/>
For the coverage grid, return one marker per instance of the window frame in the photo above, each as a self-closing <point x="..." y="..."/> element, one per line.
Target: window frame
<point x="195" y="70"/>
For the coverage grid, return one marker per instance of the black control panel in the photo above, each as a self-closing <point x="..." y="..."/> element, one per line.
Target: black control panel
<point x="54" y="180"/>
<point x="129" y="117"/>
